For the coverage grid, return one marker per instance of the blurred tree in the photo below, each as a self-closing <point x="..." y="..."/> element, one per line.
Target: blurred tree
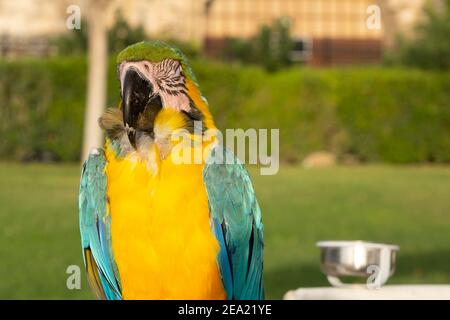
<point x="96" y="87"/>
<point x="121" y="34"/>
<point x="430" y="49"/>
<point x="74" y="42"/>
<point x="271" y="47"/>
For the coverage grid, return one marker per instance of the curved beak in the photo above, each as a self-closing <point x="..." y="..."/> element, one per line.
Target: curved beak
<point x="136" y="92"/>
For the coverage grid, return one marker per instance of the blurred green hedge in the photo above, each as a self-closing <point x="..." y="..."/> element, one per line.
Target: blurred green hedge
<point x="372" y="114"/>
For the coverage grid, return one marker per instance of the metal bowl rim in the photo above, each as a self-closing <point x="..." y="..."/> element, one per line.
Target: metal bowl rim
<point x="339" y="244"/>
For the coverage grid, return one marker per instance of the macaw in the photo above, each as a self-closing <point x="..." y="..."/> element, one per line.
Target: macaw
<point x="153" y="227"/>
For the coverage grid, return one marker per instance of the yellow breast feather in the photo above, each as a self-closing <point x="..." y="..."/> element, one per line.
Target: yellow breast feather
<point x="161" y="235"/>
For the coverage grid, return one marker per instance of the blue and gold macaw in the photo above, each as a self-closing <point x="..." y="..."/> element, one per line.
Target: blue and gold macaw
<point x="155" y="227"/>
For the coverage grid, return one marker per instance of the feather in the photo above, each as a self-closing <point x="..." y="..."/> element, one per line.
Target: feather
<point x="237" y="225"/>
<point x="102" y="271"/>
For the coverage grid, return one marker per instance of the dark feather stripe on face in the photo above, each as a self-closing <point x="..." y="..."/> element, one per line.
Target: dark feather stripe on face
<point x="170" y="77"/>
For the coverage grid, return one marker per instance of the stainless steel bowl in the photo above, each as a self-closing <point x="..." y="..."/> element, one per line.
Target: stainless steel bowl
<point x="356" y="258"/>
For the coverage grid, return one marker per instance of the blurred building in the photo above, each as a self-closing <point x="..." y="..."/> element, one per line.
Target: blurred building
<point x="325" y="31"/>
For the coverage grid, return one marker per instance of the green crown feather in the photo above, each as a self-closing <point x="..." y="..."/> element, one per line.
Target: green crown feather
<point x="155" y="51"/>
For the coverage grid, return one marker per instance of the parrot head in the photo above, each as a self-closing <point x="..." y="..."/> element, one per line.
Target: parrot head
<point x="155" y="80"/>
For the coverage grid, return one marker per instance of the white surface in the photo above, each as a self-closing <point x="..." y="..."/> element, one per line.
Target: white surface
<point x="358" y="292"/>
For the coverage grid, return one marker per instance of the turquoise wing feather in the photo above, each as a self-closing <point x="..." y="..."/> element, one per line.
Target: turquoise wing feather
<point x="237" y="225"/>
<point x="95" y="229"/>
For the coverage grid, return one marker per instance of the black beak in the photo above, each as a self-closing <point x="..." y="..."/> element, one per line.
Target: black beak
<point x="136" y="92"/>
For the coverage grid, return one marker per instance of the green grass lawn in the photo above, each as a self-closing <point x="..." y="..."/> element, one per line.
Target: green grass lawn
<point x="409" y="206"/>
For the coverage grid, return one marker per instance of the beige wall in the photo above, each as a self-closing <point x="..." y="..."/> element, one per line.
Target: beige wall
<point x="23" y="18"/>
